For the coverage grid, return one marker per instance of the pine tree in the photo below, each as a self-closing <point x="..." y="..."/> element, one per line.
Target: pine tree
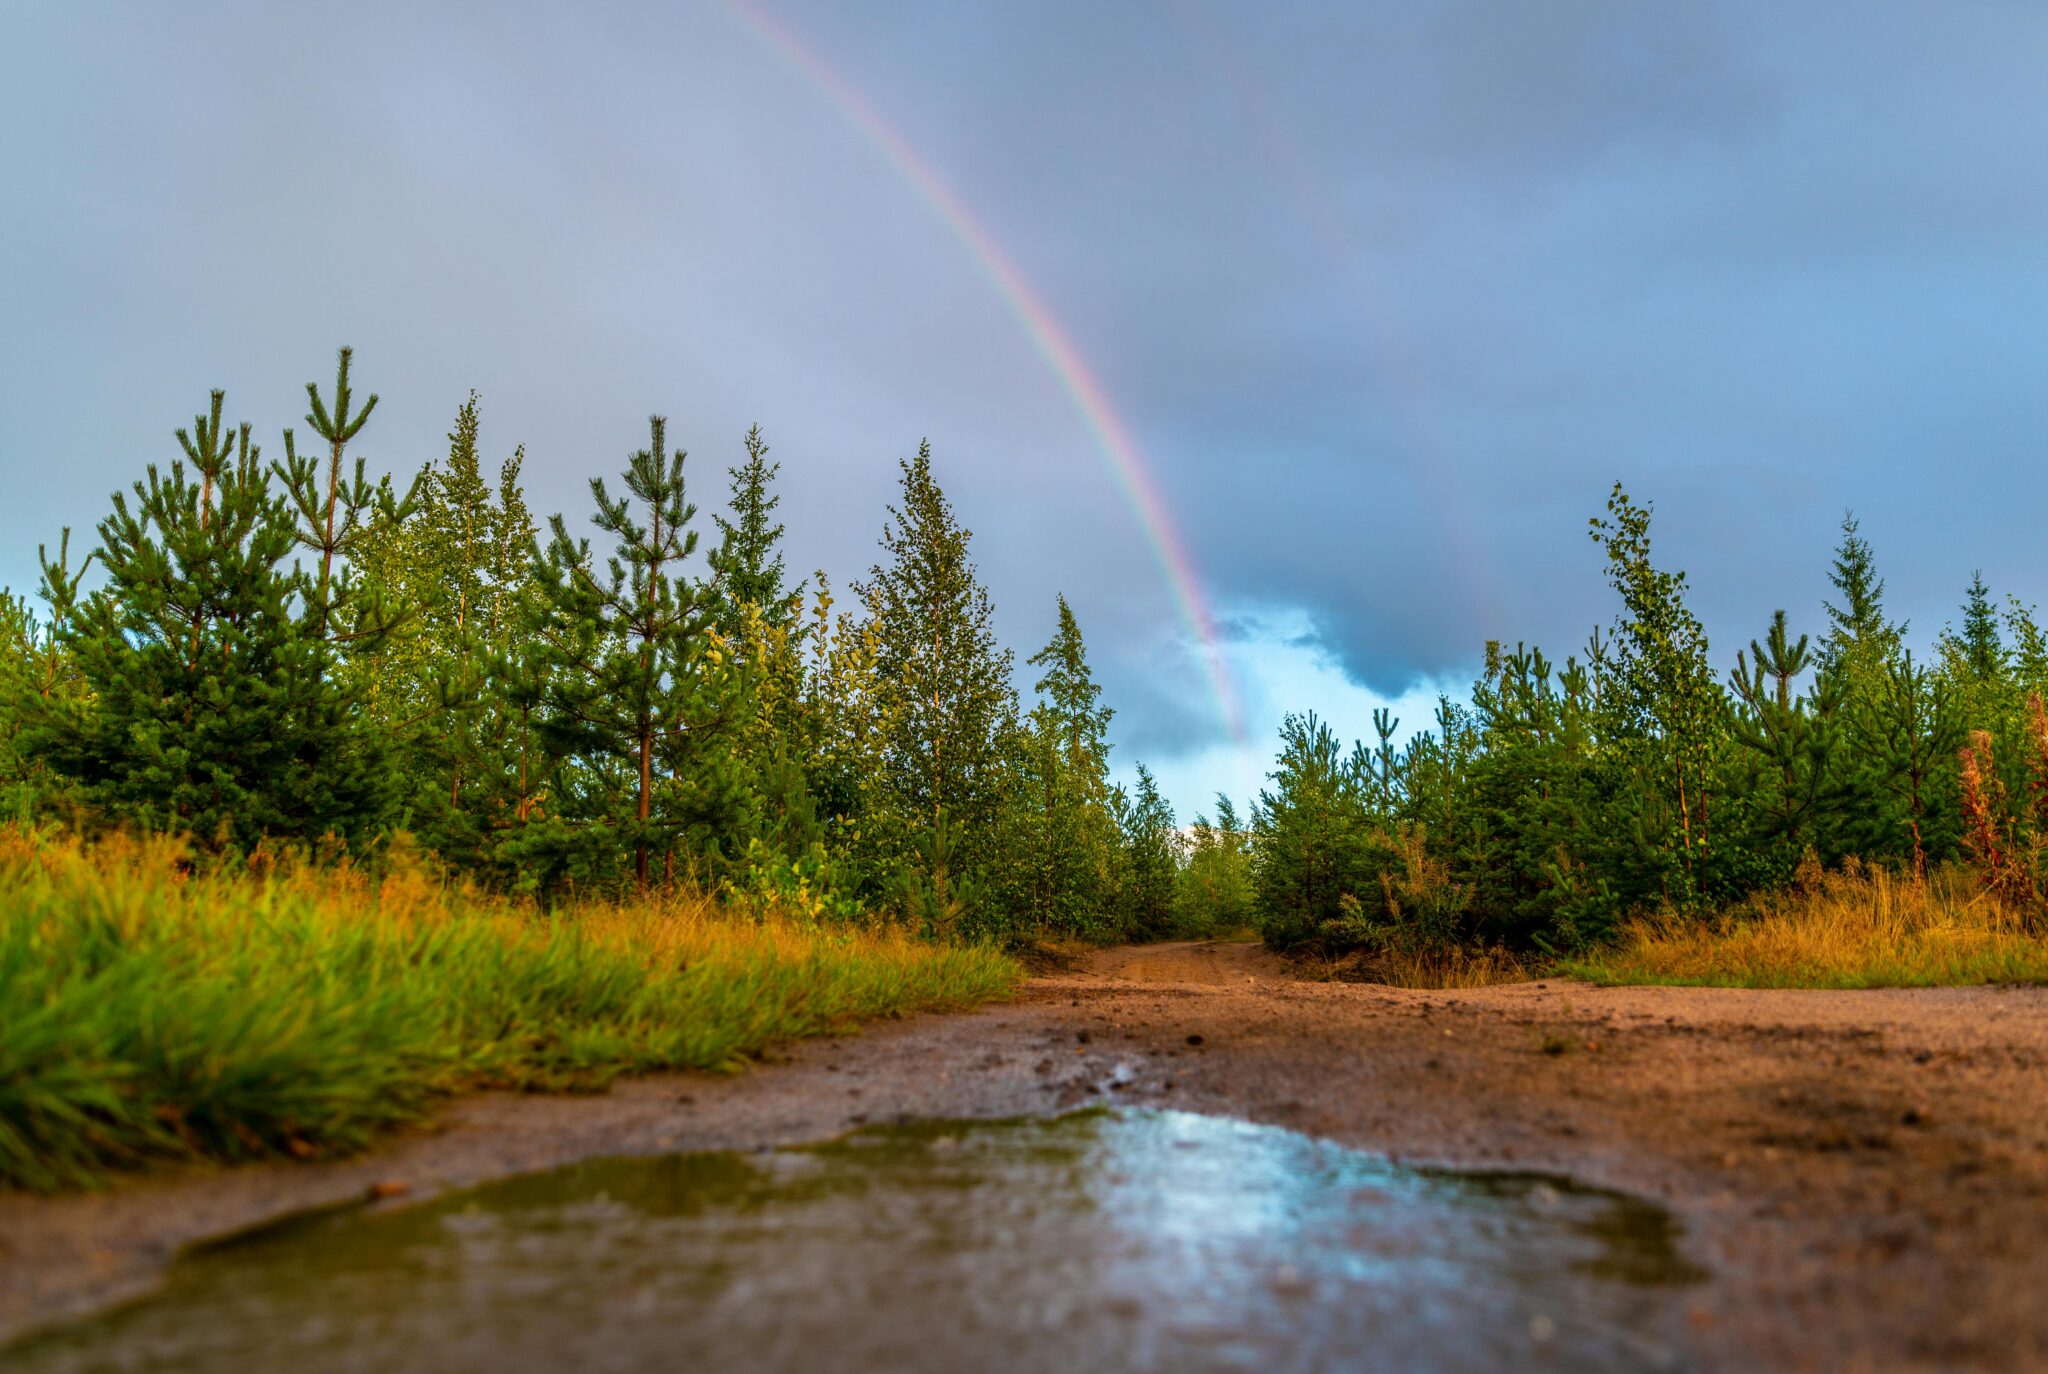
<point x="207" y="706"/>
<point x="1910" y="731"/>
<point x="2027" y="658"/>
<point x="335" y="513"/>
<point x="1790" y="735"/>
<point x="1857" y="629"/>
<point x="1215" y="893"/>
<point x="844" y="701"/>
<point x="21" y="643"/>
<point x="1551" y="769"/>
<point x="37" y="677"/>
<point x="1977" y="647"/>
<point x="747" y="564"/>
<point x="1063" y="791"/>
<point x="432" y="560"/>
<point x="1987" y="695"/>
<point x="512" y="587"/>
<point x="1151" y="859"/>
<point x="625" y="653"/>
<point x="518" y="680"/>
<point x="1309" y="852"/>
<point x="445" y="683"/>
<point x="937" y="661"/>
<point x="1071" y="700"/>
<point x="761" y="629"/>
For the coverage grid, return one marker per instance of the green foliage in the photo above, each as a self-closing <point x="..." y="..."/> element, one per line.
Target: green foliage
<point x="1148" y="876"/>
<point x="941" y="685"/>
<point x="294" y="652"/>
<point x="1976" y="648"/>
<point x="849" y="720"/>
<point x="1665" y="709"/>
<point x="335" y="513"/>
<point x="1313" y="845"/>
<point x="1897" y="795"/>
<point x="633" y="689"/>
<point x="300" y="652"/>
<point x="1791" y="737"/>
<point x="747" y="564"/>
<point x="452" y="683"/>
<point x="1858" y="634"/>
<point x="206" y="700"/>
<point x="37" y="680"/>
<point x="1564" y="802"/>
<point x="1059" y="822"/>
<point x="1215" y="885"/>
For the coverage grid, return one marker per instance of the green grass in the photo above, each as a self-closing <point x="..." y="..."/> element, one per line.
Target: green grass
<point x="1860" y="929"/>
<point x="149" y="1014"/>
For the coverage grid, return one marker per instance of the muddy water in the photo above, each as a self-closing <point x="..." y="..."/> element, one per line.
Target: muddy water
<point x="1141" y="1240"/>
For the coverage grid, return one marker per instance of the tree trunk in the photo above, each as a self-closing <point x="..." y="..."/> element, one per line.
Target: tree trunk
<point x="646" y="798"/>
<point x="327" y="540"/>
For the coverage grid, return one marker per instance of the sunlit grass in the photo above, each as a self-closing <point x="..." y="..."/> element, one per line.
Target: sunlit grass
<point x="149" y="1013"/>
<point x="1859" y="929"/>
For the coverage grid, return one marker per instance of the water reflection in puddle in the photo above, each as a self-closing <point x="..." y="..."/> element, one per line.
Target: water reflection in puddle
<point x="1140" y="1240"/>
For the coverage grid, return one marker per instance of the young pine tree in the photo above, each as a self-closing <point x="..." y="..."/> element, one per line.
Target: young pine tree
<point x="1860" y="657"/>
<point x="37" y="677"/>
<point x="747" y="564"/>
<point x="947" y="683"/>
<point x="1859" y="636"/>
<point x="761" y="631"/>
<point x="1987" y="695"/>
<point x="208" y="706"/>
<point x="336" y="510"/>
<point x="445" y="681"/>
<point x="1909" y="731"/>
<point x="1215" y="884"/>
<point x="2027" y="655"/>
<point x="850" y="718"/>
<point x="625" y="653"/>
<point x="1063" y="790"/>
<point x="1789" y="735"/>
<point x="1976" y="647"/>
<point x="1533" y="802"/>
<point x="1310" y="850"/>
<point x="1149" y="870"/>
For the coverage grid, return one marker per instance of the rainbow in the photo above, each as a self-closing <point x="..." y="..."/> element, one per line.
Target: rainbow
<point x="1127" y="468"/>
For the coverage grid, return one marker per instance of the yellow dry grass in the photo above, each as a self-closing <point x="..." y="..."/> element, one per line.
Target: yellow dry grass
<point x="1860" y="928"/>
<point x="1452" y="968"/>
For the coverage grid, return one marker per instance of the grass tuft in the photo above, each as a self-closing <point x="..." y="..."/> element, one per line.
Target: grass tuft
<point x="1433" y="969"/>
<point x="1863" y="928"/>
<point x="156" y="1013"/>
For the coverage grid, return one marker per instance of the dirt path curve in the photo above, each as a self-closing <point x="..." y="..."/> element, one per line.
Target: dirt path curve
<point x="1865" y="1173"/>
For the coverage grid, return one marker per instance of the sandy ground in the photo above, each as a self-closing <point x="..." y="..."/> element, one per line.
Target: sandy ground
<point x="1865" y="1173"/>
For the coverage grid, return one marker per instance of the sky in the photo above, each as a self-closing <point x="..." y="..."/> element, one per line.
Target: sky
<point x="1380" y="299"/>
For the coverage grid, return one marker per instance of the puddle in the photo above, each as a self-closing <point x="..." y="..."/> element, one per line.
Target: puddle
<point x="1129" y="1240"/>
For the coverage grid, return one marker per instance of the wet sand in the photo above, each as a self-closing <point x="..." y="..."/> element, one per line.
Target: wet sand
<point x="1864" y="1173"/>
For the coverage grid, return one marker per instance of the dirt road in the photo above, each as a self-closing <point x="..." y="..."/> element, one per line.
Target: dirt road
<point x="1865" y="1173"/>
